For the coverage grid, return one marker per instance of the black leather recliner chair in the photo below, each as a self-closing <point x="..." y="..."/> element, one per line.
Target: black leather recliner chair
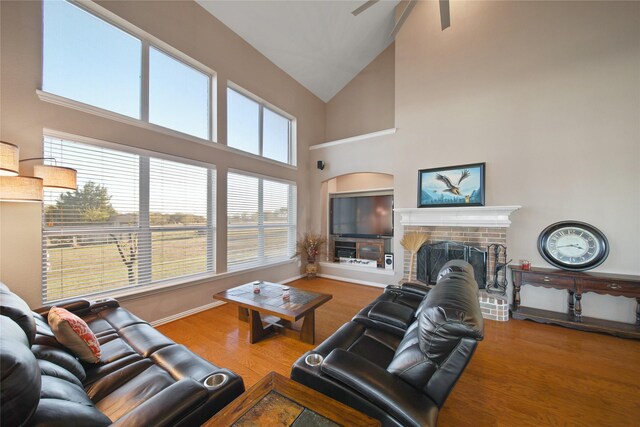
<point x="401" y="365"/>
<point x="143" y="378"/>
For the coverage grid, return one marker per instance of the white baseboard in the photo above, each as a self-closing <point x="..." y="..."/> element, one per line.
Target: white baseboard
<point x="204" y="307"/>
<point x="350" y="280"/>
<point x="186" y="313"/>
<point x="291" y="279"/>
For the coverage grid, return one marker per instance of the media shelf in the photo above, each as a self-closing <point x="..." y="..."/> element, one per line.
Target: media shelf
<point x="344" y="249"/>
<point x="360" y="248"/>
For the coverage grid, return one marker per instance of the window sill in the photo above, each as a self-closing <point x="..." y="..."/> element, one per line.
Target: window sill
<point x="167" y="286"/>
<point x="100" y="112"/>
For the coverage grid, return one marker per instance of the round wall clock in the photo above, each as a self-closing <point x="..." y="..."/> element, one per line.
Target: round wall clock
<point x="573" y="245"/>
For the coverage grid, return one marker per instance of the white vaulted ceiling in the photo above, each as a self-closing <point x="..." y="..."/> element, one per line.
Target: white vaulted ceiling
<point x="318" y="43"/>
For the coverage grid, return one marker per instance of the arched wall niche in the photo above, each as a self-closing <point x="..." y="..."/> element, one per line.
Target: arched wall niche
<point x="350" y="183"/>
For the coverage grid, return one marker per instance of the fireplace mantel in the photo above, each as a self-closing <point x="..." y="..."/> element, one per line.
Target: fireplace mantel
<point x="469" y="216"/>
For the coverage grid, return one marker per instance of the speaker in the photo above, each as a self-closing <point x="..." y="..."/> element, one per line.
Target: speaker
<point x="388" y="261"/>
<point x="320" y="165"/>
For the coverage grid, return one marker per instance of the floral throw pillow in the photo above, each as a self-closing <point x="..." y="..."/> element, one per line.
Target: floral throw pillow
<point x="73" y="332"/>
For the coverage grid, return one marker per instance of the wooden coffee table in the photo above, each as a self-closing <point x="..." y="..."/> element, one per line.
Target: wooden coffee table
<point x="268" y="312"/>
<point x="276" y="401"/>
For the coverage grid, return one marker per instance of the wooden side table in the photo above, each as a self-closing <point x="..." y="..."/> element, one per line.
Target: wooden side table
<point x="277" y="401"/>
<point x="576" y="283"/>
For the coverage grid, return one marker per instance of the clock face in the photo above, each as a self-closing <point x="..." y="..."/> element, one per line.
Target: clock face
<point x="573" y="245"/>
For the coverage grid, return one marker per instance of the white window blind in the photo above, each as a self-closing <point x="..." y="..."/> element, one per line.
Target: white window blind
<point x="134" y="220"/>
<point x="261" y="217"/>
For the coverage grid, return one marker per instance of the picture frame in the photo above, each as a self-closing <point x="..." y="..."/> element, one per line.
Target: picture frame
<point x="449" y="186"/>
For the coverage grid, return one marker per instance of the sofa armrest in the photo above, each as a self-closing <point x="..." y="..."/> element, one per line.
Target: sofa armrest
<point x="103" y="304"/>
<point x="392" y="313"/>
<point x="80" y="306"/>
<point x="416" y="288"/>
<point x="167" y="407"/>
<point x="74" y="306"/>
<point x="408" y="405"/>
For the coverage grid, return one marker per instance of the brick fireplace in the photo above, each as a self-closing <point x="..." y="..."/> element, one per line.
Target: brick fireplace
<point x="477" y="226"/>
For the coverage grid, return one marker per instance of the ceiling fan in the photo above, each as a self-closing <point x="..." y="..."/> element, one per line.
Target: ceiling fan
<point x="445" y="18"/>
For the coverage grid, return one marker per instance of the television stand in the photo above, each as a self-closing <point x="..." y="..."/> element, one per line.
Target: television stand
<point x="345" y="249"/>
<point x="365" y="249"/>
<point x="372" y="250"/>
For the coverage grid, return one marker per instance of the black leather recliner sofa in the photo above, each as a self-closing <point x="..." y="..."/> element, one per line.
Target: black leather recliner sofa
<point x="143" y="378"/>
<point x="400" y="357"/>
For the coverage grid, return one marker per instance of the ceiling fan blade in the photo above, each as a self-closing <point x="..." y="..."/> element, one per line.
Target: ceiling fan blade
<point x="403" y="17"/>
<point x="445" y="14"/>
<point x="364" y="7"/>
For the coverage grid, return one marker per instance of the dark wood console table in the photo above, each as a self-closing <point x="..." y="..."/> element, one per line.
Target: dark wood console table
<point x="576" y="283"/>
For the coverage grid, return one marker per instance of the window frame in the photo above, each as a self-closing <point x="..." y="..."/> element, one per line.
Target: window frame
<point x="144" y="229"/>
<point x="262" y="105"/>
<point x="147" y="41"/>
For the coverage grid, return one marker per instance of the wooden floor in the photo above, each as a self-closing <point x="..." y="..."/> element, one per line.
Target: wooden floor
<point x="523" y="373"/>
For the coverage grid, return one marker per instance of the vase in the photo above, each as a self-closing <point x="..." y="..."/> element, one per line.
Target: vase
<point x="311" y="269"/>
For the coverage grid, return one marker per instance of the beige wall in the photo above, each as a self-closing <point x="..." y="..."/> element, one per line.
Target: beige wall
<point x="366" y="103"/>
<point x="363" y="181"/>
<point x="188" y="28"/>
<point x="548" y="95"/>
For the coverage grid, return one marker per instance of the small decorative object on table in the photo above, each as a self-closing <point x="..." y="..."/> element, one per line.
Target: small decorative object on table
<point x="286" y="294"/>
<point x="256" y="287"/>
<point x="310" y="245"/>
<point x="412" y="242"/>
<point x="525" y="265"/>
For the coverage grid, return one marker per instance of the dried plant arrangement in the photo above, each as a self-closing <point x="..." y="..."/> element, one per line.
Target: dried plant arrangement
<point x="310" y="246"/>
<point x="412" y="242"/>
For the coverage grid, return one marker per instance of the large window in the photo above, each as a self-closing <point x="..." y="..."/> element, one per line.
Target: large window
<point x="256" y="128"/>
<point x="134" y="220"/>
<point x="90" y="60"/>
<point x="261" y="220"/>
<point x="119" y="68"/>
<point x="178" y="95"/>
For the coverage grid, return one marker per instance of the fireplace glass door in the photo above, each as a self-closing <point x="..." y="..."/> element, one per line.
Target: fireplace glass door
<point x="432" y="257"/>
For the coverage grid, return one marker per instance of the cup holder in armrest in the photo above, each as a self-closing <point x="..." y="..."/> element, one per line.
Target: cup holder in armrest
<point x="314" y="360"/>
<point x="216" y="380"/>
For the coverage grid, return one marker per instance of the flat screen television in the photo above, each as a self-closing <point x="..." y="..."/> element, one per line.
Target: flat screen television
<point x="362" y="216"/>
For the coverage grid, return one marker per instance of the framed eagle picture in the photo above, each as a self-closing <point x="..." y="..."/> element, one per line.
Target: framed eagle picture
<point x="451" y="186"/>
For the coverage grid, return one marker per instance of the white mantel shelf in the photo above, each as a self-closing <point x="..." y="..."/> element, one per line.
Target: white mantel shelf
<point x="468" y="216"/>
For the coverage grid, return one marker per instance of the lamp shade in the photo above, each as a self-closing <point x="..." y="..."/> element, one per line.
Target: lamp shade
<point x="56" y="177"/>
<point x="20" y="189"/>
<point x="9" y="154"/>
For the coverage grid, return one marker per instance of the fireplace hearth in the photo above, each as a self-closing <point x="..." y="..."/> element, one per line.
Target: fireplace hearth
<point x="483" y="228"/>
